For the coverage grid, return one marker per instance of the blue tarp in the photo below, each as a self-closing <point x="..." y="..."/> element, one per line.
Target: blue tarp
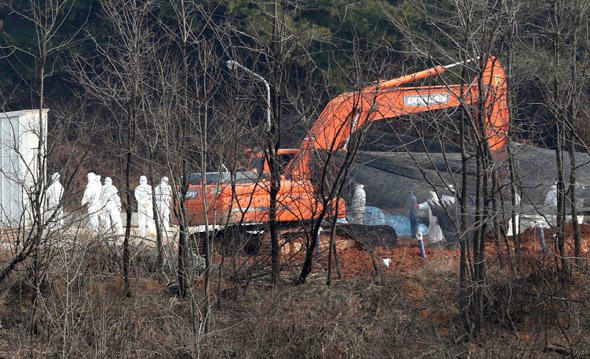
<point x="375" y="217"/>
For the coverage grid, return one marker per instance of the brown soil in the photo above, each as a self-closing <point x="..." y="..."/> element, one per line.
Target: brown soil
<point x="357" y="262"/>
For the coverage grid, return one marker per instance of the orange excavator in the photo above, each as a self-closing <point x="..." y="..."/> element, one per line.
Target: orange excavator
<point x="242" y="198"/>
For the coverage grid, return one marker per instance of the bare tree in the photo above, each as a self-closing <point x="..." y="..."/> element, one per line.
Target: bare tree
<point x="278" y="45"/>
<point x="332" y="144"/>
<point x="116" y="79"/>
<point x="48" y="18"/>
<point x="198" y="132"/>
<point x="566" y="21"/>
<point x="473" y="31"/>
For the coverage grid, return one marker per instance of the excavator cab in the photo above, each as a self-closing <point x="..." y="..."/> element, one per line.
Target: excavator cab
<point x="258" y="161"/>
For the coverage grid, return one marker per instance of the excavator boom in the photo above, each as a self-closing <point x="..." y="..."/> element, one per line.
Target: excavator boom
<point x="243" y="198"/>
<point x="350" y="111"/>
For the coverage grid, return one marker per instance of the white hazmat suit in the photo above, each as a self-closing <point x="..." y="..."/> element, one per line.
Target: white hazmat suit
<point x="91" y="199"/>
<point x="551" y="197"/>
<point x="54" y="194"/>
<point x="358" y="204"/>
<point x="145" y="211"/>
<point x="102" y="225"/>
<point x="434" y="231"/>
<point x="111" y="207"/>
<point x="163" y="199"/>
<point x="551" y="204"/>
<point x="511" y="227"/>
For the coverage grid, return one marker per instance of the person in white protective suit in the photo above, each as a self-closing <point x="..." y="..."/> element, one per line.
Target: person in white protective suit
<point x="91" y="199"/>
<point x="111" y="207"/>
<point x="511" y="228"/>
<point x="358" y="205"/>
<point x="551" y="197"/>
<point x="54" y="194"/>
<point x="551" y="204"/>
<point x="163" y="199"/>
<point x="102" y="225"/>
<point x="145" y="211"/>
<point x="434" y="231"/>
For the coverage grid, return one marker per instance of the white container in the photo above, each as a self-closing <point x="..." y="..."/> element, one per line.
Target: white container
<point x="20" y="134"/>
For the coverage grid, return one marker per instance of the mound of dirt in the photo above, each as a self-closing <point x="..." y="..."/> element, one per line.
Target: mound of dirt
<point x="369" y="236"/>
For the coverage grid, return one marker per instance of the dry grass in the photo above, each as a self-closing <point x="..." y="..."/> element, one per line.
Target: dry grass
<point x="82" y="314"/>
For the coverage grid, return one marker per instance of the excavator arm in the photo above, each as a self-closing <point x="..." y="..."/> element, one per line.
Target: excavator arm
<point x="242" y="199"/>
<point x="350" y="111"/>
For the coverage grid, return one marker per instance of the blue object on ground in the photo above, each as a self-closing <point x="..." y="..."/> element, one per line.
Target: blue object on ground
<point x="422" y="250"/>
<point x="542" y="239"/>
<point x="412" y="203"/>
<point x="375" y="217"/>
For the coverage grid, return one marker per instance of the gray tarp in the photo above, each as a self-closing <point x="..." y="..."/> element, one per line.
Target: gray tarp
<point x="389" y="177"/>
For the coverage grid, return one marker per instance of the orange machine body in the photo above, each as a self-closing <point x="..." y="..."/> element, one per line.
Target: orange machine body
<point x="248" y="203"/>
<point x="245" y="199"/>
<point x="350" y="111"/>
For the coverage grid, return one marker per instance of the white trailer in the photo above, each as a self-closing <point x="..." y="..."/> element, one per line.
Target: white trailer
<point x="22" y="133"/>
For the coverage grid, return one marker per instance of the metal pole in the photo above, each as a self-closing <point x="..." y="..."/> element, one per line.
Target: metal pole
<point x="231" y="64"/>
